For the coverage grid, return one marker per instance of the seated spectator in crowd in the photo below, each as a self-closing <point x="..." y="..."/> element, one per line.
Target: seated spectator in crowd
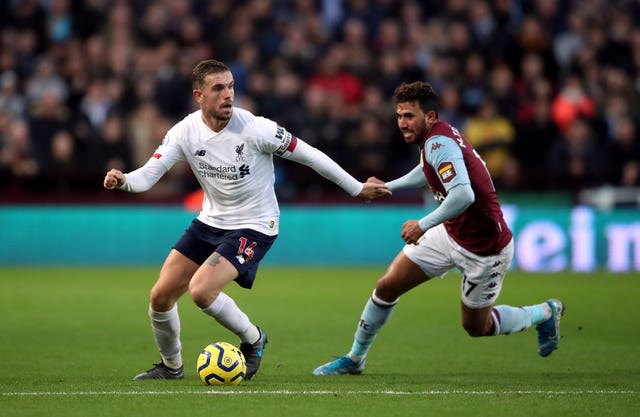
<point x="574" y="159"/>
<point x="492" y="135"/>
<point x="623" y="167"/>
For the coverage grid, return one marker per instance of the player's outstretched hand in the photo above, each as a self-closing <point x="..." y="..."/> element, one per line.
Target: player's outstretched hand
<point x="114" y="179"/>
<point x="375" y="180"/>
<point x="373" y="190"/>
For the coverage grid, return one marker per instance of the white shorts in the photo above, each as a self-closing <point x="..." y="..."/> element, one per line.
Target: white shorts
<point x="436" y="254"/>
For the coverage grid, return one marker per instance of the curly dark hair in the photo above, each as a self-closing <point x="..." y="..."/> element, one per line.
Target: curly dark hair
<point x="204" y="68"/>
<point x="419" y="91"/>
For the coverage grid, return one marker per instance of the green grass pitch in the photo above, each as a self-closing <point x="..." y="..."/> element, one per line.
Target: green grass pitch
<point x="72" y="338"/>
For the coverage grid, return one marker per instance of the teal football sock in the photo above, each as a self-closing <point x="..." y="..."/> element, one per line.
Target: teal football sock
<point x="508" y="319"/>
<point x="375" y="314"/>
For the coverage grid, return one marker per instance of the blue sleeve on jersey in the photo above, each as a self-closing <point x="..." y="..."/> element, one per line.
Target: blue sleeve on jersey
<point x="442" y="149"/>
<point x="413" y="179"/>
<point x="458" y="199"/>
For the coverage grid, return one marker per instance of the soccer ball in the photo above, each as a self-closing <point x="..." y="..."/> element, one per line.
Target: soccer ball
<point x="221" y="363"/>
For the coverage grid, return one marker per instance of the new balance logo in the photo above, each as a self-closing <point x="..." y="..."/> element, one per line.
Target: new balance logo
<point x="200" y="152"/>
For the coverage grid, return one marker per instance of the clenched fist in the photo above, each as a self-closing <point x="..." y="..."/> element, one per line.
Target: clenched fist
<point x="114" y="179"/>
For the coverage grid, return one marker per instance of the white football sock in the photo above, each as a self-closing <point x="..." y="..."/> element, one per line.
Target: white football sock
<point x="227" y="313"/>
<point x="375" y="314"/>
<point x="166" y="332"/>
<point x="509" y="319"/>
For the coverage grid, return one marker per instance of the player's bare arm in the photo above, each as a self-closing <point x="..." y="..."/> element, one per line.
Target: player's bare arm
<point x="114" y="179"/>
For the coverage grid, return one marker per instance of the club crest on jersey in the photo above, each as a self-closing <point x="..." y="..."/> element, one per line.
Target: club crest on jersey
<point x="446" y="171"/>
<point x="239" y="152"/>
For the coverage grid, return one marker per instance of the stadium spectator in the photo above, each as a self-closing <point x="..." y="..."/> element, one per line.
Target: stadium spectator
<point x="332" y="75"/>
<point x="18" y="157"/>
<point x="571" y="103"/>
<point x="368" y="146"/>
<point x="574" y="160"/>
<point x="61" y="169"/>
<point x="111" y="148"/>
<point x="535" y="134"/>
<point x="623" y="166"/>
<point x="450" y="106"/>
<point x="47" y="115"/>
<point x="492" y="136"/>
<point x="11" y="101"/>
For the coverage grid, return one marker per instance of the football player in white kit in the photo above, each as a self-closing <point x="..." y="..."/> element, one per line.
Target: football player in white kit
<point x="230" y="151"/>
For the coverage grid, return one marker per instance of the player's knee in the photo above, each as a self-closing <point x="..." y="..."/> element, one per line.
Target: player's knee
<point x="384" y="291"/>
<point x="160" y="300"/>
<point x="202" y="295"/>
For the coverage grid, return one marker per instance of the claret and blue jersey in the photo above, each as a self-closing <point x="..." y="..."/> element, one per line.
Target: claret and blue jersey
<point x="447" y="159"/>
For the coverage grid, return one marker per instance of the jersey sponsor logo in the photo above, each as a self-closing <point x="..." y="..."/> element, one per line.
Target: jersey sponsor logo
<point x="219" y="172"/>
<point x="239" y="154"/>
<point x="244" y="170"/>
<point x="200" y="152"/>
<point x="157" y="155"/>
<point x="446" y="171"/>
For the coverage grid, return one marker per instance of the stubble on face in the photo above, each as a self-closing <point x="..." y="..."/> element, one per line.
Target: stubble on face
<point x="411" y="122"/>
<point x="217" y="96"/>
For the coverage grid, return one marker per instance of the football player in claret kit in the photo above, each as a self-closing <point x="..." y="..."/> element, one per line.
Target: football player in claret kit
<point x="466" y="231"/>
<point x="230" y="151"/>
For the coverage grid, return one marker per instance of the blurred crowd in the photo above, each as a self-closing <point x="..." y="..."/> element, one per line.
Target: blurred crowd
<point x="546" y="90"/>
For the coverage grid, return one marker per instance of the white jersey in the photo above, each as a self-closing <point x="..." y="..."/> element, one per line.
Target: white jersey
<point x="235" y="168"/>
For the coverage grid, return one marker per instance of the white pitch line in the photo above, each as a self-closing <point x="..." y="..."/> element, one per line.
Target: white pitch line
<point x="318" y="393"/>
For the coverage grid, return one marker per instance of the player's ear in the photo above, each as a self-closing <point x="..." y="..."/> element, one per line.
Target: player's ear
<point x="197" y="94"/>
<point x="431" y="116"/>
